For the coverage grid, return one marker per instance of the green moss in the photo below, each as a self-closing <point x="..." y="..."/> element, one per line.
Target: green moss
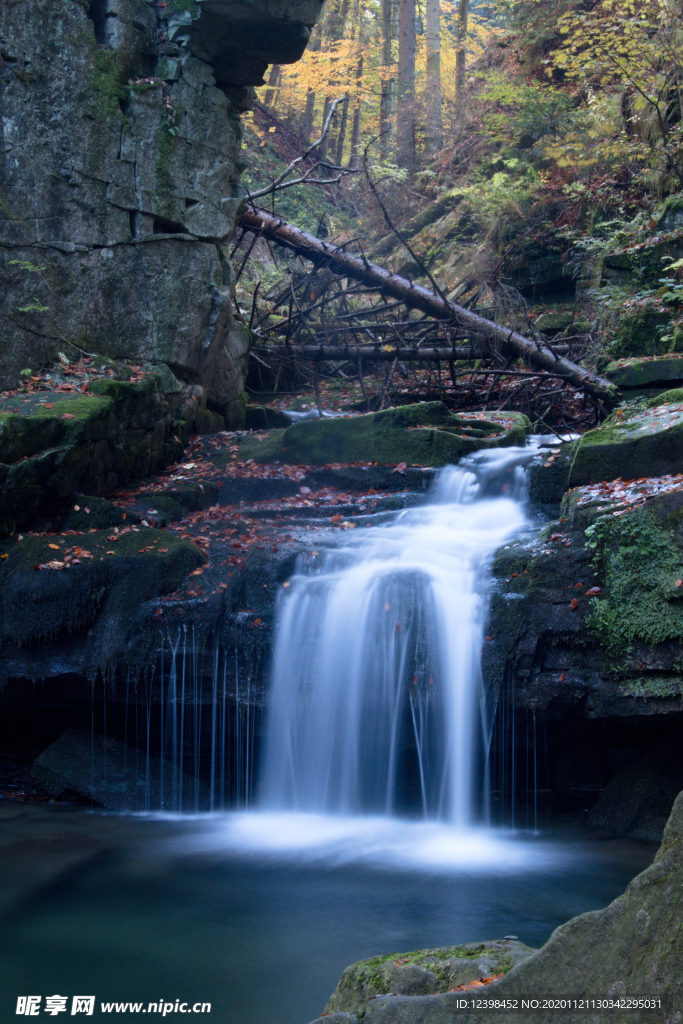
<point x="639" y="561"/>
<point x="655" y="686"/>
<point x="425" y="434"/>
<point x="633" y="443"/>
<point x="107" y="88"/>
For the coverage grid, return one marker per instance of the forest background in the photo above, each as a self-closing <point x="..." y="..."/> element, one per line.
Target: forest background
<point x="495" y="136"/>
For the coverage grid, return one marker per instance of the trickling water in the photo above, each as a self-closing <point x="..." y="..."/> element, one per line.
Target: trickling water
<point x="377" y="699"/>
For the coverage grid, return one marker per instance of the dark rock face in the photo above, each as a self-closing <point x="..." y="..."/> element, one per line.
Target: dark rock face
<point x="120" y="179"/>
<point x="636" y="800"/>
<point x="631" y="948"/>
<point x="87" y="603"/>
<point x="114" y="775"/>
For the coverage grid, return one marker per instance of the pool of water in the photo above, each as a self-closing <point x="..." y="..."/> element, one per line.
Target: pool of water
<point x="259" y="914"/>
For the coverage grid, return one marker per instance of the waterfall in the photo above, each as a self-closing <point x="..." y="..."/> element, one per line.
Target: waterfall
<point x="377" y="700"/>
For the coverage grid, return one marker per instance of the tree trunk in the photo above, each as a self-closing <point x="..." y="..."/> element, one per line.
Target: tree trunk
<point x="308" y="115"/>
<point x="416" y="297"/>
<point x="342" y="131"/>
<point x="322" y="149"/>
<point x="355" y="133"/>
<point x="405" y="123"/>
<point x="272" y="85"/>
<point x="433" y="118"/>
<point x="461" y="54"/>
<point x="385" y="104"/>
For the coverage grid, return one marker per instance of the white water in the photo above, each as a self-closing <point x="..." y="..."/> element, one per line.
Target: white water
<point x="378" y="652"/>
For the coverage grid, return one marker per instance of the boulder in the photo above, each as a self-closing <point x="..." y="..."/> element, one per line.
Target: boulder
<point x="644" y="441"/>
<point x="114" y="775"/>
<point x="645" y="372"/>
<point x="425" y="434"/>
<point x="90" y="443"/>
<point x="634" y="947"/>
<point x="423" y="972"/>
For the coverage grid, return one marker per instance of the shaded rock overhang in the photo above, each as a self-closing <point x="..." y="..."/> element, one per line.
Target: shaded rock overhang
<point x="240" y="39"/>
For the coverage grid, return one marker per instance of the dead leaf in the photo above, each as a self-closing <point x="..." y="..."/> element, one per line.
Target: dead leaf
<point x="55" y="547"/>
<point x="68" y="416"/>
<point x="196" y="572"/>
<point x="574" y="604"/>
<point x="593" y="591"/>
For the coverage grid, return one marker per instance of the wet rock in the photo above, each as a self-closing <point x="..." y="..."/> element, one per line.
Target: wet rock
<point x="114" y="775"/>
<point x="83" y="604"/>
<point x="642" y="442"/>
<point x="426" y="434"/>
<point x="549" y="473"/>
<point x="363" y="478"/>
<point x="422" y="972"/>
<point x="91" y="513"/>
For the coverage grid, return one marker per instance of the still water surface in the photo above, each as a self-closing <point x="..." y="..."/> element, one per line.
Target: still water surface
<point x="259" y="914"/>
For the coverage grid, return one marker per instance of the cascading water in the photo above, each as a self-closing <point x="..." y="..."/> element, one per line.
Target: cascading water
<point x="377" y="698"/>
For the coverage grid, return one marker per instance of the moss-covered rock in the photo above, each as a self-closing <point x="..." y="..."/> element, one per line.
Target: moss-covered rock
<point x="422" y="972"/>
<point x="555" y="322"/>
<point x="426" y="434"/>
<point x="57" y="586"/>
<point x="640" y="331"/>
<point x="641" y="442"/>
<point x="646" y="371"/>
<point x="587" y="616"/>
<point x="54" y="444"/>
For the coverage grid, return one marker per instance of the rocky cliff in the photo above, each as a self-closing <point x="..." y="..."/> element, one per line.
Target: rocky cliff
<point x="120" y="179"/>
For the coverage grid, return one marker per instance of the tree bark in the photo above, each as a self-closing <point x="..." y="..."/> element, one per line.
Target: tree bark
<point x="433" y="119"/>
<point x="416" y="297"/>
<point x="385" y="103"/>
<point x="335" y="353"/>
<point x="355" y="133"/>
<point x="405" y="124"/>
<point x="322" y="149"/>
<point x="342" y="131"/>
<point x="461" y="54"/>
<point x="272" y="85"/>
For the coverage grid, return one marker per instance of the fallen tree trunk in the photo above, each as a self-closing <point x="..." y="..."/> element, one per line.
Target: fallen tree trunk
<point x="416" y="297"/>
<point x="337" y="353"/>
